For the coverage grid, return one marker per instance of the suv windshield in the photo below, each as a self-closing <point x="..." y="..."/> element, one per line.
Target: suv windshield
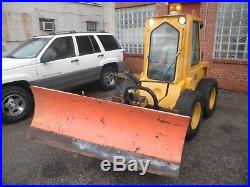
<point x="30" y="48"/>
<point x="163" y="53"/>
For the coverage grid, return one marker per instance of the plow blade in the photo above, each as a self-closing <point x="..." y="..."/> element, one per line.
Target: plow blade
<point x="103" y="129"/>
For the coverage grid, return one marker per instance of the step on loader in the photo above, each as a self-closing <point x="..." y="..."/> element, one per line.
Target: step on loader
<point x="149" y="120"/>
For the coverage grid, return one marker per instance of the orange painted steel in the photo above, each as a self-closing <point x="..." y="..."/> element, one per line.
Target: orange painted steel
<point x="155" y="134"/>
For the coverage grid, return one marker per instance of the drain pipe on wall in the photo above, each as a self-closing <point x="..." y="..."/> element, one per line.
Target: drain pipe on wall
<point x="205" y="23"/>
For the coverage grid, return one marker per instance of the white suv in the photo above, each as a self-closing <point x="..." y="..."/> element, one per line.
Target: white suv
<point x="58" y="61"/>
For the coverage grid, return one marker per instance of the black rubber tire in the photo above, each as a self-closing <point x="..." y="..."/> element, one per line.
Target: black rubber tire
<point x="28" y="99"/>
<point x="205" y="87"/>
<point x="108" y="69"/>
<point x="185" y="106"/>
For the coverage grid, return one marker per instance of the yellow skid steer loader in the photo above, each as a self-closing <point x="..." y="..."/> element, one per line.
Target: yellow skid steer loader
<point x="153" y="117"/>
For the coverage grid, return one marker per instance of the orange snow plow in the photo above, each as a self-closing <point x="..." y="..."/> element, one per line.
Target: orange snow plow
<point x="103" y="129"/>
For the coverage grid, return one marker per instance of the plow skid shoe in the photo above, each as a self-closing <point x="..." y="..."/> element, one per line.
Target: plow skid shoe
<point x="103" y="129"/>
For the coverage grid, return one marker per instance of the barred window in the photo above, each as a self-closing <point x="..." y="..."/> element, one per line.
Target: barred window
<point x="231" y="37"/>
<point x="130" y="26"/>
<point x="91" y="26"/>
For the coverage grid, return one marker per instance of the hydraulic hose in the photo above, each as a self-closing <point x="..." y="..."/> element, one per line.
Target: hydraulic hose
<point x="126" y="96"/>
<point x="134" y="78"/>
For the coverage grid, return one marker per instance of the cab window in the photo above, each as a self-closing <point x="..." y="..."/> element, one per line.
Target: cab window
<point x="195" y="44"/>
<point x="163" y="53"/>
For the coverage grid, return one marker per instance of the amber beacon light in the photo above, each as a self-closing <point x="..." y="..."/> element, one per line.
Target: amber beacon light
<point x="175" y="9"/>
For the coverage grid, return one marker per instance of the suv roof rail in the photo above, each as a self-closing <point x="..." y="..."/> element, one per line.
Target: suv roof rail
<point x="63" y="32"/>
<point x="73" y="31"/>
<point x="69" y="32"/>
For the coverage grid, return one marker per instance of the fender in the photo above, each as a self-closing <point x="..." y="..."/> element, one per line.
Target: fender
<point x="17" y="75"/>
<point x="121" y="65"/>
<point x="108" y="61"/>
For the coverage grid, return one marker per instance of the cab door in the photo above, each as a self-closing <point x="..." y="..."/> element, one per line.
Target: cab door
<point x="197" y="72"/>
<point x="57" y="64"/>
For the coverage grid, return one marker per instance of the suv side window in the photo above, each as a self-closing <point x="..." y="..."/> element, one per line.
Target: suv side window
<point x="109" y="42"/>
<point x="95" y="44"/>
<point x="60" y="48"/>
<point x="84" y="45"/>
<point x="195" y="44"/>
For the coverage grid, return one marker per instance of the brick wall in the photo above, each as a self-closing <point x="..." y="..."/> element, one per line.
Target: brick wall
<point x="230" y="76"/>
<point x="134" y="62"/>
<point x="208" y="13"/>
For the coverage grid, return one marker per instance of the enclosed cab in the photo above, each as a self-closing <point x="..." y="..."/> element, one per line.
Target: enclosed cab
<point x="174" y="76"/>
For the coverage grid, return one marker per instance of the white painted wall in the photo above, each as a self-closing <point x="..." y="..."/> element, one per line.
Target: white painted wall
<point x="109" y="17"/>
<point x="20" y="20"/>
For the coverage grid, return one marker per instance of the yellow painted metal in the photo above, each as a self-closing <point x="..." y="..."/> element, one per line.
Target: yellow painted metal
<point x="212" y="98"/>
<point x="158" y="88"/>
<point x="196" y="116"/>
<point x="186" y="76"/>
<point x="170" y="100"/>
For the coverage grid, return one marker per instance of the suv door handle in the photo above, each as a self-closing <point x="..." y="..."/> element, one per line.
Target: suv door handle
<point x="75" y="61"/>
<point x="101" y="55"/>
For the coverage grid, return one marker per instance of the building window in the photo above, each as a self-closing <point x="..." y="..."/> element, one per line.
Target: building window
<point x="130" y="26"/>
<point x="231" y="37"/>
<point x="91" y="26"/>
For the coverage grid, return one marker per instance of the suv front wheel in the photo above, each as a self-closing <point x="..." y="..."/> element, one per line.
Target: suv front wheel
<point x="17" y="104"/>
<point x="108" y="78"/>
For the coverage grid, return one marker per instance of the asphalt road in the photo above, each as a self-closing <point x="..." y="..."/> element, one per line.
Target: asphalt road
<point x="218" y="154"/>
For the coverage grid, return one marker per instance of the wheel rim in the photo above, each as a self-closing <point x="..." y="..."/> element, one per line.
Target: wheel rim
<point x="13" y="105"/>
<point x="109" y="79"/>
<point x="212" y="98"/>
<point x="196" y="116"/>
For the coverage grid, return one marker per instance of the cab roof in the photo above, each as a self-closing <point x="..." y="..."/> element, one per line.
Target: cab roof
<point x="178" y="15"/>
